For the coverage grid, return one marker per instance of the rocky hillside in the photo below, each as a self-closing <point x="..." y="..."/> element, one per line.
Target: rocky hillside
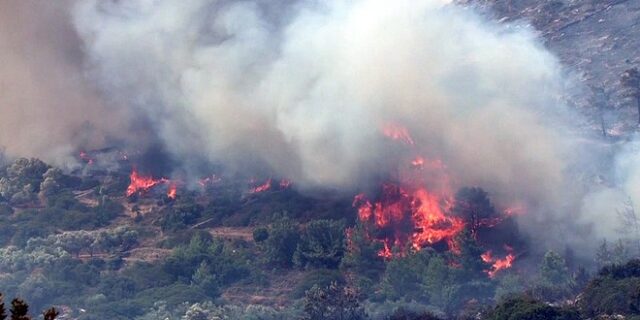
<point x="597" y="40"/>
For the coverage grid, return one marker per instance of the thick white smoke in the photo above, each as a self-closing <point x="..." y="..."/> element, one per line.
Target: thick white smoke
<point x="309" y="92"/>
<point x="304" y="88"/>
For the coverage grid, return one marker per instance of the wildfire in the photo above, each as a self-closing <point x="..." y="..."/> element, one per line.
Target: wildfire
<point x="418" y="162"/>
<point x="261" y="188"/>
<point x="285" y="183"/>
<point x="405" y="218"/>
<point x="86" y="158"/>
<point x="213" y="179"/>
<point x="172" y="190"/>
<point x="141" y="183"/>
<point x="397" y="132"/>
<point x="498" y="264"/>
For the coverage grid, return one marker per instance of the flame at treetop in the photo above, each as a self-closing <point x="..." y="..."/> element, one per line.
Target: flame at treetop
<point x="141" y="183"/>
<point x="408" y="214"/>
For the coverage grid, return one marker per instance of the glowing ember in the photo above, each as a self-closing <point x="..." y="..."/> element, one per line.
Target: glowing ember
<point x="514" y="210"/>
<point x="140" y="183"/>
<point x="86" y="158"/>
<point x="385" y="252"/>
<point x="172" y="190"/>
<point x="408" y="218"/>
<point x="397" y="132"/>
<point x="261" y="188"/>
<point x="496" y="263"/>
<point x="418" y="162"/>
<point x="213" y="179"/>
<point x="284" y="183"/>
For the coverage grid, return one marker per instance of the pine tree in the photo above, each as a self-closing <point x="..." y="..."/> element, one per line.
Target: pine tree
<point x="603" y="255"/>
<point x="19" y="310"/>
<point x="51" y="314"/>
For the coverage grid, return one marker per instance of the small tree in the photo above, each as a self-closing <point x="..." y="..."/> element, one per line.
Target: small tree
<point x="19" y="310"/>
<point x="321" y="245"/>
<point x="631" y="79"/>
<point x="603" y="254"/>
<point x="282" y="242"/>
<point x="473" y="267"/>
<point x="473" y="205"/>
<point x="601" y="100"/>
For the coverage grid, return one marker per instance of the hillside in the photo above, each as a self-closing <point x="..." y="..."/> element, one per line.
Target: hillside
<point x="595" y="40"/>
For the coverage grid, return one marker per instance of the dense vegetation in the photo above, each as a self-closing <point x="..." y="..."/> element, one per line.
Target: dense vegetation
<point x="72" y="240"/>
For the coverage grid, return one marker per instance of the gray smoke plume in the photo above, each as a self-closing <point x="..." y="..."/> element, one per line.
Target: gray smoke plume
<point x="305" y="88"/>
<point x="47" y="108"/>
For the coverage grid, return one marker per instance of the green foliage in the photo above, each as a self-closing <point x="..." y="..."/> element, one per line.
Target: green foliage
<point x="509" y="285"/>
<point x="282" y="242"/>
<point x="361" y="255"/>
<point x="403" y="314"/>
<point x="523" y="308"/>
<point x="470" y="261"/>
<point x="317" y="277"/>
<point x="408" y="276"/>
<point x="616" y="290"/>
<point x="333" y="302"/>
<point x="185" y="212"/>
<point x="554" y="269"/>
<point x="321" y="245"/>
<point x="554" y="280"/>
<point x="208" y="263"/>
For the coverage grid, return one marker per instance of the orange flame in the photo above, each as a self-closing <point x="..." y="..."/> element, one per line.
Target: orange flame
<point x="408" y="218"/>
<point x="86" y="158"/>
<point x="261" y="188"/>
<point x="172" y="191"/>
<point x="213" y="179"/>
<point x="397" y="132"/>
<point x="418" y="162"/>
<point x="498" y="264"/>
<point x="140" y="183"/>
<point x="285" y="183"/>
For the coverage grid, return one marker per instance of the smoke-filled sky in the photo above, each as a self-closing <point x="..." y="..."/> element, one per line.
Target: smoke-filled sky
<point x="302" y="88"/>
